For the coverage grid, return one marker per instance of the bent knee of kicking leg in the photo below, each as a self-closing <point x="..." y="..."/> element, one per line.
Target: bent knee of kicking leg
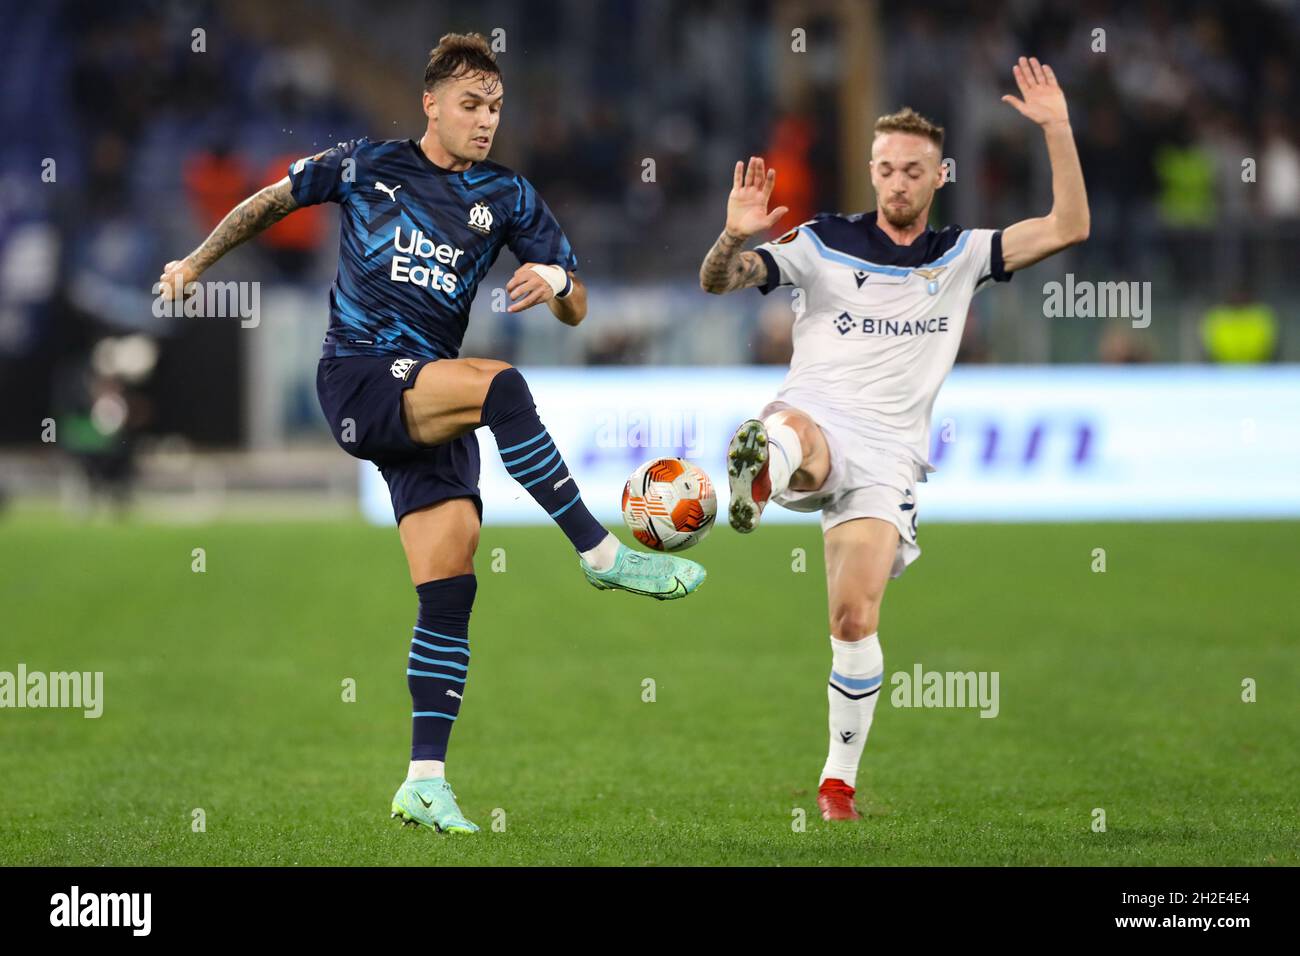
<point x="485" y="372"/>
<point x="855" y="620"/>
<point x="490" y="367"/>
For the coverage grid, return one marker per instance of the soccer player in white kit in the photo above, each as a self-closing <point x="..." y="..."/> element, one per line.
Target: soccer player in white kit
<point x="884" y="302"/>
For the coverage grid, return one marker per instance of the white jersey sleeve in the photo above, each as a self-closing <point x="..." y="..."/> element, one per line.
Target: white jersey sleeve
<point x="791" y="259"/>
<point x="980" y="263"/>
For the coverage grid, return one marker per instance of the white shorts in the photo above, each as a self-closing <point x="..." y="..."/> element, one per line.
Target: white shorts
<point x="865" y="481"/>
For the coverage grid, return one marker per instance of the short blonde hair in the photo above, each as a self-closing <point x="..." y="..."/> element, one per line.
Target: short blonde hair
<point x="908" y="120"/>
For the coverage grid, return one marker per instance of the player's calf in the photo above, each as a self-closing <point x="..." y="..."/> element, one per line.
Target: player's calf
<point x="532" y="459"/>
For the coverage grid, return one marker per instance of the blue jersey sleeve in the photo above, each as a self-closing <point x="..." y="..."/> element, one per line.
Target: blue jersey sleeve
<point x="326" y="177"/>
<point x="534" y="235"/>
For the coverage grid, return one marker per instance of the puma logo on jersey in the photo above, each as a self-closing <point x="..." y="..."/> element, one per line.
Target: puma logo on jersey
<point x="556" y="486"/>
<point x="452" y="693"/>
<point x="390" y="191"/>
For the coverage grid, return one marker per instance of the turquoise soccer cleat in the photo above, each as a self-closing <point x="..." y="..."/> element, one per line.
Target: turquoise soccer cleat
<point x="430" y="803"/>
<point x="660" y="576"/>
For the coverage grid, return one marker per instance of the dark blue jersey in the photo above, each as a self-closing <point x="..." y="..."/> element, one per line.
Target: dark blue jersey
<point x="416" y="240"/>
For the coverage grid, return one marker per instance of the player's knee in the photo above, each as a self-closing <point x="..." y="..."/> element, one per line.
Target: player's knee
<point x="855" y="620"/>
<point x="483" y="372"/>
<point x="490" y="368"/>
<point x="505" y="394"/>
<point x="447" y="562"/>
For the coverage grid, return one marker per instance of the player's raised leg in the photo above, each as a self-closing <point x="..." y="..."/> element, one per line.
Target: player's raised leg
<point x="439" y="542"/>
<point x="454" y="396"/>
<point x="859" y="556"/>
<point x="764" y="458"/>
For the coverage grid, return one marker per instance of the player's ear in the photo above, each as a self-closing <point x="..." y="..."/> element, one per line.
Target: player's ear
<point x="430" y="105"/>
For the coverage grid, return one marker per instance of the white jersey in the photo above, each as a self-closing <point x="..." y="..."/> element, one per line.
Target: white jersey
<point x="880" y="323"/>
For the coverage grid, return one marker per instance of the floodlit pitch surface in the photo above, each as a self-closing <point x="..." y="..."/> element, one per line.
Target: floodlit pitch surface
<point x="1119" y="692"/>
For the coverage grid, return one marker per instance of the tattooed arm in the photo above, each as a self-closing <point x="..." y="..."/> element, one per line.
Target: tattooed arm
<point x="726" y="267"/>
<point x="258" y="212"/>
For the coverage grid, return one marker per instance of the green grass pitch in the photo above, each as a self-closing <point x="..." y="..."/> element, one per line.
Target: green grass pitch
<point x="223" y="691"/>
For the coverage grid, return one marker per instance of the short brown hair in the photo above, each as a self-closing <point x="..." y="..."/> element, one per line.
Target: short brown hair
<point x="459" y="54"/>
<point x="908" y="120"/>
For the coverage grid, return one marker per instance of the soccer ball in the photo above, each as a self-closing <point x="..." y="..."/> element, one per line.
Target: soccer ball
<point x="669" y="504"/>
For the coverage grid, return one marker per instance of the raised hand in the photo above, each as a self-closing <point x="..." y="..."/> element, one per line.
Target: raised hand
<point x="181" y="269"/>
<point x="751" y="189"/>
<point x="1043" y="102"/>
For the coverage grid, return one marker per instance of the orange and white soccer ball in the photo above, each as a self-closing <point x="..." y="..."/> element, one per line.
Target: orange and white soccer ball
<point x="669" y="504"/>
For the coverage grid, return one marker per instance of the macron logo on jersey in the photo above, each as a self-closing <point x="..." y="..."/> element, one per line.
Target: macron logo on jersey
<point x="419" y="246"/>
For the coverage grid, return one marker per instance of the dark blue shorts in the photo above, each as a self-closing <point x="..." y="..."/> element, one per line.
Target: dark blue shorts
<point x="361" y="397"/>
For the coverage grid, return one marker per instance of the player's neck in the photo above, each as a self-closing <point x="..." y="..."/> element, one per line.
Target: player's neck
<point x="903" y="236"/>
<point x="435" y="154"/>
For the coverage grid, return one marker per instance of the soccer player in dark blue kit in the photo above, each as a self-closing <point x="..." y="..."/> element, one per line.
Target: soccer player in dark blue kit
<point x="422" y="222"/>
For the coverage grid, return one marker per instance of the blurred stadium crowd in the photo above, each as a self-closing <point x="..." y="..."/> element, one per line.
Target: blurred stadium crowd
<point x="153" y="140"/>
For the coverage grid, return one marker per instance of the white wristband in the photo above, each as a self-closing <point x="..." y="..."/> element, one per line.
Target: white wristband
<point x="555" y="277"/>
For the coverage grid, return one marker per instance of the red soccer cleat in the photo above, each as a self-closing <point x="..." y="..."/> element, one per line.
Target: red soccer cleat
<point x="835" y="800"/>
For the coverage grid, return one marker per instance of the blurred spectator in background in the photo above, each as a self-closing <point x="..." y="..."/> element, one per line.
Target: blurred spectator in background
<point x="773" y="339"/>
<point x="101" y="414"/>
<point x="789" y="152"/>
<point x="216" y="180"/>
<point x="1121" y="345"/>
<point x="1279" y="168"/>
<point x="293" y="241"/>
<point x="1241" y="330"/>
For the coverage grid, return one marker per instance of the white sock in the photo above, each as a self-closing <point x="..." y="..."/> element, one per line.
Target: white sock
<point x="857" y="670"/>
<point x="786" y="453"/>
<point x="601" y="557"/>
<point x="425" y="769"/>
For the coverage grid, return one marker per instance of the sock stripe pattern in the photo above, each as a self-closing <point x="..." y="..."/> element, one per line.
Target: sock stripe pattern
<point x="855" y="688"/>
<point x="857" y="672"/>
<point x="532" y="459"/>
<point x="438" y="663"/>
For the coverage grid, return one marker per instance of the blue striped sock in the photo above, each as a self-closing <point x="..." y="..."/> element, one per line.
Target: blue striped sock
<point x="531" y="458"/>
<point x="439" y="662"/>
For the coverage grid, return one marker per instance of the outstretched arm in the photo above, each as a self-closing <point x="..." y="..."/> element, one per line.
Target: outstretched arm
<point x="258" y="212"/>
<point x="726" y="267"/>
<point x="1030" y="240"/>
